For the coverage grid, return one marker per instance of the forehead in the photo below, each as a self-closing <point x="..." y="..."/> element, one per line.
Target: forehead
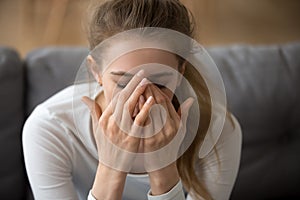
<point x="147" y="59"/>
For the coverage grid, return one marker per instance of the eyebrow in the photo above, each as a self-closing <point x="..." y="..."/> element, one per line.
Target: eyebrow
<point x="121" y="73"/>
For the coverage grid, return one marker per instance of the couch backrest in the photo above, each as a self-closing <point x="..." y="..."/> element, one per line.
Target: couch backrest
<point x="263" y="91"/>
<point x="12" y="173"/>
<point x="49" y="70"/>
<point x="262" y="84"/>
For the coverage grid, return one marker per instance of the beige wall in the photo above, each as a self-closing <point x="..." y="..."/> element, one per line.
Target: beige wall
<point x="27" y="24"/>
<point x="247" y="21"/>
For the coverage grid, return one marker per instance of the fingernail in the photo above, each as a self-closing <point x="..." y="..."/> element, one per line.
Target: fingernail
<point x="149" y="100"/>
<point x="142" y="99"/>
<point x="140" y="73"/>
<point x="144" y="82"/>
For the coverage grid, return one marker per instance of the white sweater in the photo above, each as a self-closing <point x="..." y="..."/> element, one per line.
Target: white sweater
<point x="61" y="158"/>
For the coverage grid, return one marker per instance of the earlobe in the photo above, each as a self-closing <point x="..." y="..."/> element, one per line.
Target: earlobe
<point x="92" y="66"/>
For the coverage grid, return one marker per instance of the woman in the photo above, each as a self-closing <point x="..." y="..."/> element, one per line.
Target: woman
<point x="65" y="160"/>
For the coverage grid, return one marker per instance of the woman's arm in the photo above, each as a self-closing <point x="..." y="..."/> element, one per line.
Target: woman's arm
<point x="114" y="183"/>
<point x="117" y="148"/>
<point x="163" y="180"/>
<point x="47" y="156"/>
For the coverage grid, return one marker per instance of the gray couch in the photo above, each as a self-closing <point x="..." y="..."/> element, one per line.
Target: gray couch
<point x="262" y="84"/>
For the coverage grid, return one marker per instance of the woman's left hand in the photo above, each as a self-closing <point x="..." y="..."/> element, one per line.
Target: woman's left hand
<point x="162" y="148"/>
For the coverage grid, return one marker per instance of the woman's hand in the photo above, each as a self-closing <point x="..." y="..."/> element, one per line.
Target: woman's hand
<point x="128" y="116"/>
<point x="111" y="141"/>
<point x="116" y="133"/>
<point x="168" y="141"/>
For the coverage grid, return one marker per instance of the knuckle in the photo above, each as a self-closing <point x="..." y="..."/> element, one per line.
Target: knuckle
<point x="160" y="99"/>
<point x="110" y="137"/>
<point x="102" y="121"/>
<point x="155" y="142"/>
<point x="111" y="131"/>
<point x="110" y="126"/>
<point x="130" y="140"/>
<point x="150" y="142"/>
<point x="141" y="89"/>
<point x="170" y="132"/>
<point x="114" y="128"/>
<point x="138" y="121"/>
<point x="170" y="127"/>
<point x="122" y="97"/>
<point x="129" y="105"/>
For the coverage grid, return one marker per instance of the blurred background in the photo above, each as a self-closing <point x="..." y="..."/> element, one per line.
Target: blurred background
<point x="260" y="77"/>
<point x="28" y="24"/>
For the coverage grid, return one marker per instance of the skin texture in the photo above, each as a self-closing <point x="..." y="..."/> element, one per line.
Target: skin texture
<point x="137" y="96"/>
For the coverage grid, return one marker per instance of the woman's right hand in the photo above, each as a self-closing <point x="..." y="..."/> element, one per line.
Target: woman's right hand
<point x="116" y="133"/>
<point x="116" y="148"/>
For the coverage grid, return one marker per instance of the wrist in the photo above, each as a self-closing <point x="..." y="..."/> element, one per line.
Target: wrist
<point x="107" y="177"/>
<point x="163" y="180"/>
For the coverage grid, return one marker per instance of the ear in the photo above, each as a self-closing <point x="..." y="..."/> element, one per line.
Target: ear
<point x="92" y="66"/>
<point x="181" y="70"/>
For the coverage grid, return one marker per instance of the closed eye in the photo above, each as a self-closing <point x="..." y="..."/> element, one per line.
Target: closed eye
<point x="121" y="85"/>
<point x="124" y="85"/>
<point x="160" y="86"/>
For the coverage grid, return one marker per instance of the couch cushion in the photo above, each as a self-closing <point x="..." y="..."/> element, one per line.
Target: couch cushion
<point x="262" y="85"/>
<point x="12" y="174"/>
<point x="49" y="70"/>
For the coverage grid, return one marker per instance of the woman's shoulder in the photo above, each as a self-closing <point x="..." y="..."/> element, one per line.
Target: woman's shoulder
<point x="53" y="114"/>
<point x="62" y="116"/>
<point x="59" y="102"/>
<point x="45" y="137"/>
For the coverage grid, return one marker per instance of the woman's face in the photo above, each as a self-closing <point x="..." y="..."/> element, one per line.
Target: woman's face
<point x="161" y="68"/>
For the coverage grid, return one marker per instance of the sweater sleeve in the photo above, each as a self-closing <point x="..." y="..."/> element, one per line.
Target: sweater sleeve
<point x="176" y="193"/>
<point x="219" y="177"/>
<point x="47" y="153"/>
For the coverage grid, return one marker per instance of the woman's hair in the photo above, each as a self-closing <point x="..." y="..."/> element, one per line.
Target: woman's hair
<point x="110" y="17"/>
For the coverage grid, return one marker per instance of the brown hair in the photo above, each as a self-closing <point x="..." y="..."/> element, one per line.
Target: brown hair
<point x="110" y="17"/>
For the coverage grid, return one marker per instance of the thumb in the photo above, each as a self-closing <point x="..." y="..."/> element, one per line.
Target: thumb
<point x="185" y="106"/>
<point x="93" y="106"/>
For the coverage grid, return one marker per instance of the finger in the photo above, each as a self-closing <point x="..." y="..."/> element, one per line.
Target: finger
<point x="148" y="93"/>
<point x="159" y="96"/>
<point x="144" y="112"/>
<point x="184" y="108"/>
<point x="136" y="110"/>
<point x="134" y="97"/>
<point x="141" y="102"/>
<point x="172" y="112"/>
<point x="160" y="116"/>
<point x="167" y="102"/>
<point x="130" y="108"/>
<point x="163" y="114"/>
<point x="130" y="87"/>
<point x="93" y="106"/>
<point x="95" y="110"/>
<point x="108" y="110"/>
<point x="125" y="94"/>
